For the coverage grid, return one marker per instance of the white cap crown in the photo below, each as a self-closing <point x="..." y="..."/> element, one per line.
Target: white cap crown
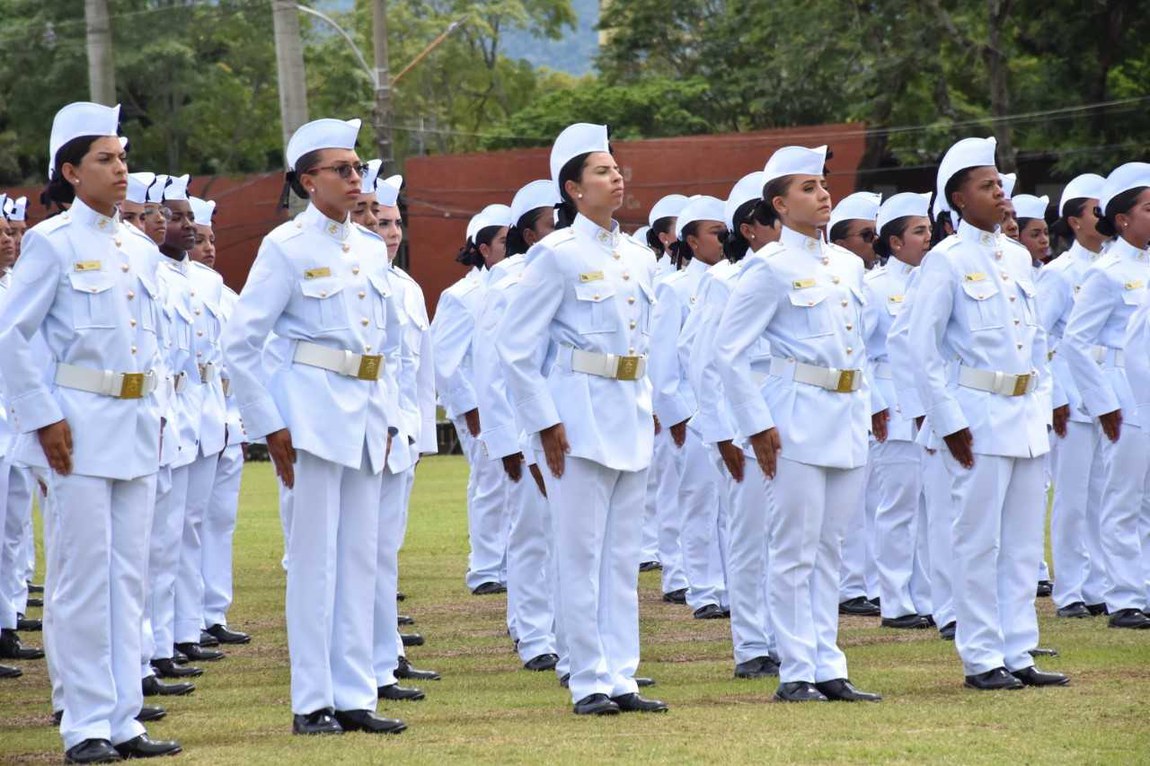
<point x="82" y="118"/>
<point x="138" y="184"/>
<point x="368" y="179"/>
<point x="667" y="207"/>
<point x="202" y="210"/>
<point x="18" y="209"/>
<point x="492" y="215"/>
<point x="387" y="190"/>
<point x="177" y="188"/>
<point x="700" y="208"/>
<point x="967" y="153"/>
<point x="901" y="206"/>
<point x="795" y="160"/>
<point x="860" y="206"/>
<point x="747" y="188"/>
<point x="534" y="195"/>
<point x="321" y="134"/>
<point x="577" y="139"/>
<point x="1123" y="178"/>
<point x="1029" y="206"/>
<point x="1085" y="186"/>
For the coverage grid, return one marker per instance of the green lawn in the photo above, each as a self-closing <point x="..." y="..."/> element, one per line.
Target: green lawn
<point x="487" y="710"/>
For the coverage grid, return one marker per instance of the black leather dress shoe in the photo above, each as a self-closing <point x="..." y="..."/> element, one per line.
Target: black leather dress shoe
<point x="411" y="639"/>
<point x="759" y="667"/>
<point x="92" y="751"/>
<point x="1133" y="619"/>
<point x="320" y="722"/>
<point x="643" y="683"/>
<point x="7" y="671"/>
<point x="1097" y="610"/>
<point x="167" y="668"/>
<point x="406" y="671"/>
<point x="12" y="649"/>
<point x="1077" y="610"/>
<point x="842" y="690"/>
<point x="993" y="680"/>
<point x="1032" y="676"/>
<point x="1045" y="589"/>
<point x="403" y="619"/>
<point x="368" y="721"/>
<point x="596" y="704"/>
<point x="1042" y="651"/>
<point x="799" y="691"/>
<point x="35" y="588"/>
<point x="144" y="747"/>
<point x="877" y="601"/>
<point x="676" y="596"/>
<point x="154" y="687"/>
<point x="633" y="703"/>
<point x="179" y="657"/>
<point x="25" y="623"/>
<point x="207" y="639"/>
<point x="709" y="612"/>
<point x="946" y="632"/>
<point x="400" y="596"/>
<point x="57" y="717"/>
<point x="565" y="680"/>
<point x="35" y="602"/>
<point x="149" y="713"/>
<point x="650" y="566"/>
<point x="489" y="589"/>
<point x="859" y="607"/>
<point x="225" y="635"/>
<point x="906" y="622"/>
<point x="197" y="653"/>
<point x="542" y="662"/>
<point x="395" y="692"/>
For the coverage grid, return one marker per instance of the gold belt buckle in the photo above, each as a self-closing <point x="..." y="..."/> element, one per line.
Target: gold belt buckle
<point x="369" y="365"/>
<point x="1021" y="383"/>
<point x="628" y="368"/>
<point x="132" y="386"/>
<point x="846" y="382"/>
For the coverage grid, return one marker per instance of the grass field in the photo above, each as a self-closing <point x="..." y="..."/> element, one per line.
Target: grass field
<point x="488" y="710"/>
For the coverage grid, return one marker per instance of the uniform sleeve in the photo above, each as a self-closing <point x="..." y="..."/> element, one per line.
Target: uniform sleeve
<point x="1054" y="298"/>
<point x="453" y="332"/>
<point x="669" y="397"/>
<point x="752" y="305"/>
<point x="930" y="314"/>
<point x="524" y="335"/>
<point x="29" y="299"/>
<point x="712" y="420"/>
<point x="425" y="389"/>
<point x="1091" y="310"/>
<point x="898" y="351"/>
<point x="499" y="431"/>
<point x="1138" y="359"/>
<point x="872" y="304"/>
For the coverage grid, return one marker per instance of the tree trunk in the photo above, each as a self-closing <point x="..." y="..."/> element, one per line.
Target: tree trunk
<point x="101" y="67"/>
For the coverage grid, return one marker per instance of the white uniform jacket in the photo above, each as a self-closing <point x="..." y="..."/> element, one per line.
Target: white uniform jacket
<point x="182" y="431"/>
<point x="675" y="295"/>
<point x="501" y="433"/>
<point x="207" y="309"/>
<point x="1058" y="285"/>
<point x="452" y="333"/>
<point x="417" y="368"/>
<point x="885" y="288"/>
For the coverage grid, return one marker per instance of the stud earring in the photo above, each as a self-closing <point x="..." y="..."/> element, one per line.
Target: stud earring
<point x="580" y="196"/>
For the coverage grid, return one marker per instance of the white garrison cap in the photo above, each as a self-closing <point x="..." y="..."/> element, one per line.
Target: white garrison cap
<point x="1085" y="186"/>
<point x="387" y="190"/>
<point x="4" y="206"/>
<point x="1029" y="206"/>
<point x="202" y="210"/>
<point x="321" y="134"/>
<point x="492" y="215"/>
<point x="700" y="208"/>
<point x="82" y="118"/>
<point x="967" y="153"/>
<point x="368" y="179"/>
<point x="795" y="160"/>
<point x="580" y="138"/>
<point x="177" y="188"/>
<point x="1123" y="178"/>
<point x="860" y="206"/>
<point x="18" y="208"/>
<point x="667" y="207"/>
<point x="640" y="235"/>
<point x="901" y="206"/>
<point x="534" y="195"/>
<point x="138" y="184"/>
<point x="156" y="190"/>
<point x="1009" y="180"/>
<point x="747" y="188"/>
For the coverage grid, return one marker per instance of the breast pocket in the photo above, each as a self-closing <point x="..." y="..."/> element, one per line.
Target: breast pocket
<point x="980" y="300"/>
<point x="1133" y="297"/>
<point x="1029" y="297"/>
<point x="182" y="320"/>
<point x="324" y="304"/>
<point x="149" y="305"/>
<point x="94" y="304"/>
<point x="380" y="295"/>
<point x="812" y="312"/>
<point x="648" y="307"/>
<point x="596" y="307"/>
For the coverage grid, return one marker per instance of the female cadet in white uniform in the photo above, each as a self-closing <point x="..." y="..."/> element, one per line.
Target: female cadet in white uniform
<point x="327" y="413"/>
<point x="980" y="358"/>
<point x="896" y="464"/>
<point x="586" y="292"/>
<point x="1093" y="345"/>
<point x="1079" y="473"/>
<point x="86" y="284"/>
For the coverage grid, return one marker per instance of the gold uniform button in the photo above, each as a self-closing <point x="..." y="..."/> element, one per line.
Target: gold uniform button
<point x="346" y="248"/>
<point x="850" y="326"/>
<point x="836" y="280"/>
<point x="355" y="269"/>
<point x="1016" y="321"/>
<point x="1012" y="298"/>
<point x="631" y="351"/>
<point x="845" y="303"/>
<point x="131" y="294"/>
<point x="626" y="275"/>
<point x="196" y="312"/>
<point x="323" y="293"/>
<point x="810" y="303"/>
<point x="132" y="322"/>
<point x="850" y="350"/>
<point x="362" y="295"/>
<point x="133" y="349"/>
<point x="119" y="243"/>
<point x="124" y="267"/>
<point x="631" y="299"/>
<point x="616" y="256"/>
<point x="199" y="333"/>
<point x="367" y="348"/>
<point x="634" y="324"/>
<point x="192" y="293"/>
<point x="199" y="353"/>
<point x="826" y="261"/>
<point x="364" y="321"/>
<point x="998" y="256"/>
<point x="1019" y="346"/>
<point x="596" y="296"/>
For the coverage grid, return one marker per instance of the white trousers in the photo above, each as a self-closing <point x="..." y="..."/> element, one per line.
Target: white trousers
<point x="530" y="587"/>
<point x="287" y="507"/>
<point x="48" y="514"/>
<point x="486" y="512"/>
<point x="650" y="544"/>
<point x="100" y="543"/>
<point x="997" y="544"/>
<point x="813" y="506"/>
<point x="7" y="608"/>
<point x="701" y="502"/>
<point x="163" y="564"/>
<point x="190" y="574"/>
<point x="1079" y="478"/>
<point x="940" y="512"/>
<point x="218" y="533"/>
<point x="897" y="475"/>
<point x="859" y="576"/>
<point x="748" y="552"/>
<point x="597" y="525"/>
<point x="668" y="467"/>
<point x="1125" y="517"/>
<point x="392" y="499"/>
<point x="17" y="537"/>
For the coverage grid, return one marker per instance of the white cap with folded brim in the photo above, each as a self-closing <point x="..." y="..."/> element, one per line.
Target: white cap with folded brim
<point x="18" y="209"/>
<point x="534" y="195"/>
<point x="860" y="206"/>
<point x="4" y="206"/>
<point x="901" y="206"/>
<point x="492" y="215"/>
<point x="1029" y="206"/>
<point x="82" y="118"/>
<point x="967" y="153"/>
<point x="640" y="235"/>
<point x="202" y="210"/>
<point x="321" y="134"/>
<point x="1009" y="181"/>
<point x="156" y="190"/>
<point x="177" y="188"/>
<point x="1122" y="179"/>
<point x="1085" y="186"/>
<point x="138" y="184"/>
<point x="580" y="138"/>
<point x="747" y="188"/>
<point x="368" y="179"/>
<point x="700" y="208"/>
<point x="793" y="161"/>
<point x="387" y="190"/>
<point x="667" y="207"/>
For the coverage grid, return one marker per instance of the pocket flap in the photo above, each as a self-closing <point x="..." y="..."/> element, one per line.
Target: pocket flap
<point x="807" y="298"/>
<point x="92" y="281"/>
<point x="321" y="288"/>
<point x="595" y="292"/>
<point x="980" y="291"/>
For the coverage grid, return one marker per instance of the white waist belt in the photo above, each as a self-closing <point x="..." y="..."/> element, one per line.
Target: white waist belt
<point x="830" y="378"/>
<point x="883" y="371"/>
<point x="1108" y="357"/>
<point x="121" y="385"/>
<point x="180" y="383"/>
<point x="1001" y="383"/>
<point x="361" y="366"/>
<point x="614" y="366"/>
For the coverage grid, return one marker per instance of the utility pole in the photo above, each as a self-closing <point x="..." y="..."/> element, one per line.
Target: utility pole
<point x="382" y="86"/>
<point x="101" y="68"/>
<point x="289" y="67"/>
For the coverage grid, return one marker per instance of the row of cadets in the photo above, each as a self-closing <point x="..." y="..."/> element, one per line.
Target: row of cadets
<point x="530" y="563"/>
<point x="453" y="335"/>
<point x="328" y="413"/>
